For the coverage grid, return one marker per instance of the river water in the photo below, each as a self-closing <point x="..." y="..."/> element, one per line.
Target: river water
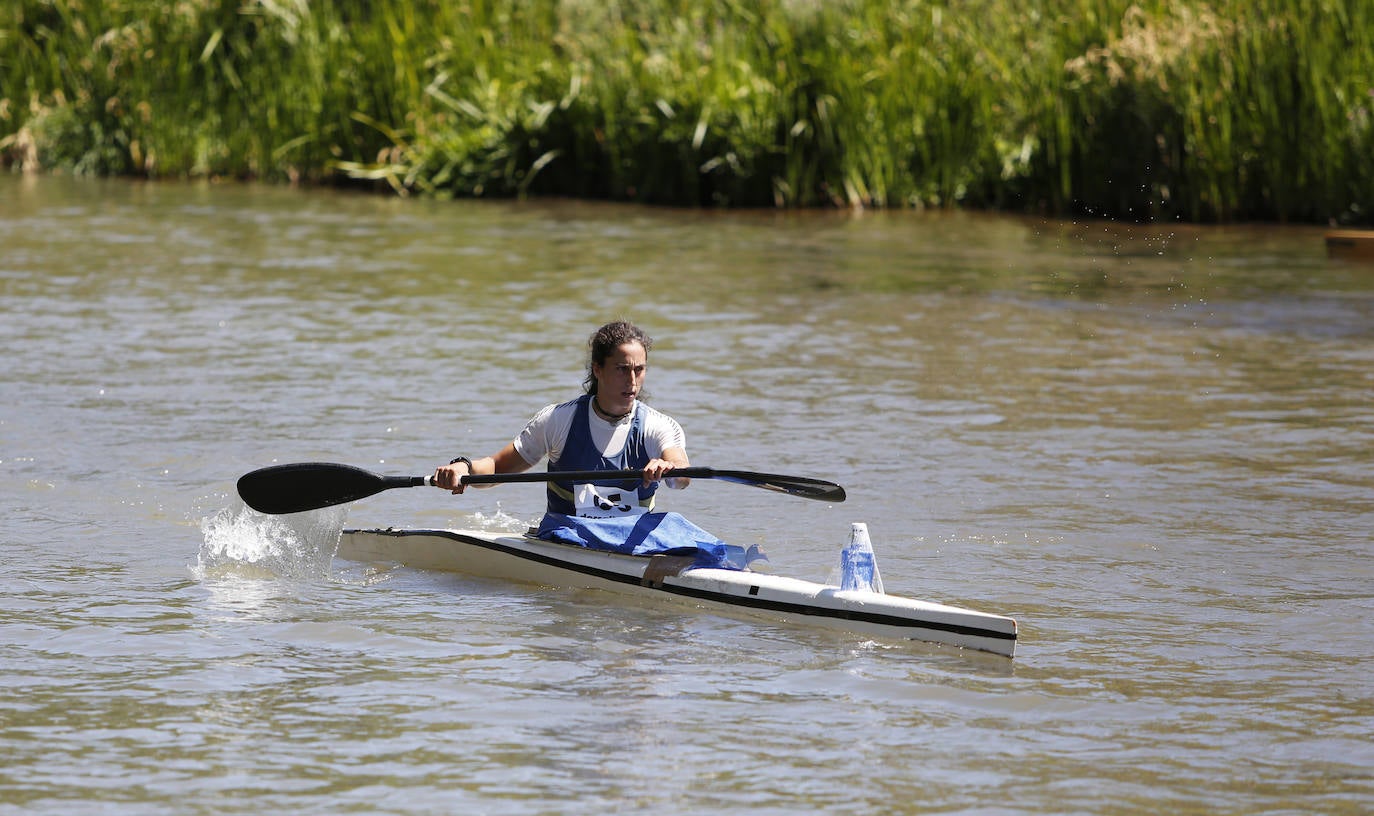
<point x="1153" y="447"/>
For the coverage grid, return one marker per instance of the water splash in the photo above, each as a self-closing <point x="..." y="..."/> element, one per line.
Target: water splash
<point x="242" y="542"/>
<point x="500" y="521"/>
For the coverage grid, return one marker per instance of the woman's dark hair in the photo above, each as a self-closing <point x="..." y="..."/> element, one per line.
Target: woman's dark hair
<point x="607" y="339"/>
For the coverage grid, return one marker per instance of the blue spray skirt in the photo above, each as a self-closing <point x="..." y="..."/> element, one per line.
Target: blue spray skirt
<point x="647" y="534"/>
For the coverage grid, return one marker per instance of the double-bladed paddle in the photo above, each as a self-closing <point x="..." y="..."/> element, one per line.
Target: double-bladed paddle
<point x="302" y="486"/>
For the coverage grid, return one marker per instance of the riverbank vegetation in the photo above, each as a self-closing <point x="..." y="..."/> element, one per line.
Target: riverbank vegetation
<point x="1144" y="109"/>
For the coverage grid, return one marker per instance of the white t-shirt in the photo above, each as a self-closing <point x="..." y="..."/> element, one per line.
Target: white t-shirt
<point x="545" y="434"/>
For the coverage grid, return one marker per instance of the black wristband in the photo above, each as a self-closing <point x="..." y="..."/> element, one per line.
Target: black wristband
<point x="464" y="460"/>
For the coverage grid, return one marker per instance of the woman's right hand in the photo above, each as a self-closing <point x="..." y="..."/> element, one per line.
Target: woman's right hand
<point x="450" y="477"/>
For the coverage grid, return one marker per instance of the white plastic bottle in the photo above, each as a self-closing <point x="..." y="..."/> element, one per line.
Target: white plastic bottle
<point x="858" y="565"/>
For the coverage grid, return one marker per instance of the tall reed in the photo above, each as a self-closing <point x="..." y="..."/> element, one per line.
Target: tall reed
<point x="1142" y="109"/>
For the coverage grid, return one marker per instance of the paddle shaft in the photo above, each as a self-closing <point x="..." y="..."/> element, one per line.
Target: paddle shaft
<point x="577" y="476"/>
<point x="294" y="488"/>
<point x="803" y="486"/>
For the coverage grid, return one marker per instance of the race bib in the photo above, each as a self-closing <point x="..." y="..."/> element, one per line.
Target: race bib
<point x="599" y="501"/>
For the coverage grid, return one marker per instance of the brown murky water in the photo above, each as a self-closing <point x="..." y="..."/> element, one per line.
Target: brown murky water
<point x="1151" y="446"/>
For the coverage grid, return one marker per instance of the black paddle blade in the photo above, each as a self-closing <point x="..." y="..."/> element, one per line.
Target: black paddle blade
<point x="802" y="486"/>
<point x="303" y="486"/>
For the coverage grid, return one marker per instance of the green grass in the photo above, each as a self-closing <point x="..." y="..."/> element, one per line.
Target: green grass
<point x="1145" y="110"/>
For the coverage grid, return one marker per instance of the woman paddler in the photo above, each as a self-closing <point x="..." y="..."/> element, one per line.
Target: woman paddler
<point x="607" y="428"/>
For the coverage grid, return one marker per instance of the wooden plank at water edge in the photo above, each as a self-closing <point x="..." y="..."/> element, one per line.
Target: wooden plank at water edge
<point x="1356" y="245"/>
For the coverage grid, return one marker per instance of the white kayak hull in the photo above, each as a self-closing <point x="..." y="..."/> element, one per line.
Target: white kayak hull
<point x="530" y="560"/>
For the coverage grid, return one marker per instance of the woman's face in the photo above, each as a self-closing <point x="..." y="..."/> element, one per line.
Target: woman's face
<point x="620" y="377"/>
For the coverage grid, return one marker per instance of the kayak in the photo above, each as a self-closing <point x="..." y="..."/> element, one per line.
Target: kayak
<point x="303" y="486"/>
<point x="530" y="560"/>
<point x="1350" y="244"/>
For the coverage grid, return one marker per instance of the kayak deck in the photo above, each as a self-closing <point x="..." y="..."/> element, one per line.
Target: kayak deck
<point x="531" y="560"/>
